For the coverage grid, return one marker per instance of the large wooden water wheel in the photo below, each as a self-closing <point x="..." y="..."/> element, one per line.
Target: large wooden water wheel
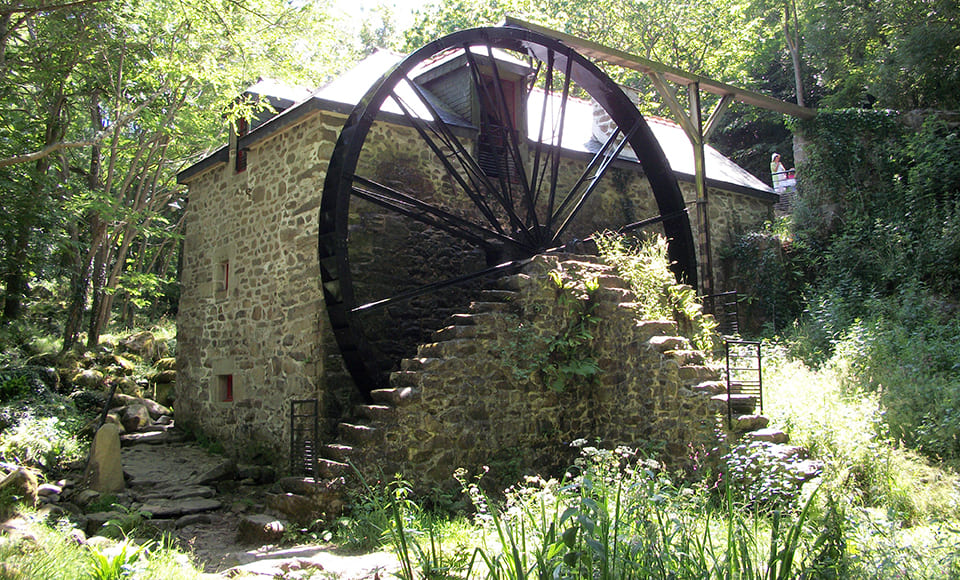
<point x="456" y="166"/>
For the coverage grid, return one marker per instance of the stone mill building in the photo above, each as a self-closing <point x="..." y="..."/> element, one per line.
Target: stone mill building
<point x="255" y="331"/>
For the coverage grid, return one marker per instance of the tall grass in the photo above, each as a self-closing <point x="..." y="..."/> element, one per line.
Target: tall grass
<point x="618" y="517"/>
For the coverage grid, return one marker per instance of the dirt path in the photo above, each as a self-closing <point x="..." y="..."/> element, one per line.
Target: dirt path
<point x="178" y="483"/>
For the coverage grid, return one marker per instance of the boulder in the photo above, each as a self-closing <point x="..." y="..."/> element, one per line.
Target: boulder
<point x="20" y="484"/>
<point x="142" y="344"/>
<point x="105" y="471"/>
<point x="88" y="379"/>
<point x="164" y="377"/>
<point x="167" y="364"/>
<point x="155" y="409"/>
<point x="125" y="364"/>
<point x="135" y="417"/>
<point x="226" y="469"/>
<point x="260" y="529"/>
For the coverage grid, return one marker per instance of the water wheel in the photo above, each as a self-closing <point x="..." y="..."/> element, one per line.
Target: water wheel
<point x="465" y="159"/>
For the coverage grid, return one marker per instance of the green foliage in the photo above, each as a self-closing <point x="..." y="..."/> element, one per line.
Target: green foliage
<point x="768" y="270"/>
<point x="616" y="516"/>
<point x="45" y="442"/>
<point x="116" y="562"/>
<point x="644" y="264"/>
<point x="565" y="359"/>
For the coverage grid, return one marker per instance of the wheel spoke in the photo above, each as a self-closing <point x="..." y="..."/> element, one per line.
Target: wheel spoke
<point x="474" y="182"/>
<point x="408" y="205"/>
<point x="555" y="167"/>
<point x="506" y="198"/>
<point x="499" y="270"/>
<point x="600" y="163"/>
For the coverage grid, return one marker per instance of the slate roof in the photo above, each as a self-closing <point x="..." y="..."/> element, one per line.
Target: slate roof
<point x="344" y="92"/>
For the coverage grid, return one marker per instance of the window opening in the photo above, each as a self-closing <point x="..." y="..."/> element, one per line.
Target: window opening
<point x="225" y="386"/>
<point x="243" y="127"/>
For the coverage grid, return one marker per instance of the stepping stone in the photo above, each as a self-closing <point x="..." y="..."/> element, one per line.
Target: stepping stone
<point x="769" y="435"/>
<point x="174" y="509"/>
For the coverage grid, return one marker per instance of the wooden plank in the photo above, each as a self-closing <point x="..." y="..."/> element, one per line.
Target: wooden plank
<point x="649" y="67"/>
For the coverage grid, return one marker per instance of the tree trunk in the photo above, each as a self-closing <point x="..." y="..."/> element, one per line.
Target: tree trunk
<point x="793" y="43"/>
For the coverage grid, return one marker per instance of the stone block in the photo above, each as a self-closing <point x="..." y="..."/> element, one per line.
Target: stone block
<point x="105" y="471"/>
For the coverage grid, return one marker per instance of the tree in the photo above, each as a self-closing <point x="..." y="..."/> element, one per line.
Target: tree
<point x="102" y="102"/>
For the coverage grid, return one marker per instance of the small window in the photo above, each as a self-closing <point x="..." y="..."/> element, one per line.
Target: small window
<point x="223" y="276"/>
<point x="243" y="127"/>
<point x="225" y="388"/>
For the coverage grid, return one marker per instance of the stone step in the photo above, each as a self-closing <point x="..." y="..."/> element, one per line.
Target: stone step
<point x="338" y="452"/>
<point x="618" y="295"/>
<point x="359" y="434"/>
<point x="403" y="379"/>
<point x="330" y="469"/>
<point x="417" y="364"/>
<point x="397" y="397"/>
<point x="710" y="387"/>
<point x="513" y="282"/>
<point x="462" y="319"/>
<point x="686" y="356"/>
<point x="656" y="327"/>
<point x="499" y="295"/>
<point x="377" y="413"/>
<point x="480" y="307"/>
<point x="456" y="333"/>
<point x="740" y="404"/>
<point x="662" y="343"/>
<point x="768" y="434"/>
<point x="743" y="423"/>
<point x="608" y="281"/>
<point x="449" y="348"/>
<point x="694" y="374"/>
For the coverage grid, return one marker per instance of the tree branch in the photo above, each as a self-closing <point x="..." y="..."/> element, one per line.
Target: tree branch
<point x="21" y="9"/>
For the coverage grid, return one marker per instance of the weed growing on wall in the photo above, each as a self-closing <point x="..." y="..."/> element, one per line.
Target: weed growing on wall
<point x="565" y="359"/>
<point x="645" y="265"/>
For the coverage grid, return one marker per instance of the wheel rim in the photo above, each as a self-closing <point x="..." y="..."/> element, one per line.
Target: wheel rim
<point x="405" y="231"/>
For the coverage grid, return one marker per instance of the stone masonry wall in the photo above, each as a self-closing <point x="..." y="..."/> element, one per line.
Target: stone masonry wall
<point x="251" y="314"/>
<point x="462" y="403"/>
<point x="252" y="327"/>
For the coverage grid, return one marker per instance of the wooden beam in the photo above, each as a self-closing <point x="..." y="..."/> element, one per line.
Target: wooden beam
<point x="715" y="115"/>
<point x="649" y="67"/>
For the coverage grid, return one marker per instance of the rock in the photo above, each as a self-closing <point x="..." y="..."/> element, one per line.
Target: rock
<point x="768" y="435"/>
<point x="164" y="377"/>
<point x="260" y="529"/>
<point x="105" y="472"/>
<point x="96" y="521"/>
<point x="125" y="364"/>
<point x="192" y="520"/>
<point x="298" y="507"/>
<point x="86" y="496"/>
<point x="48" y="489"/>
<point x="128" y="386"/>
<point x="88" y="379"/>
<point x="20" y="483"/>
<point x="164" y="420"/>
<point x="135" y="417"/>
<point x="225" y="470"/>
<point x="154" y="408"/>
<point x="193" y="491"/>
<point x="152" y="437"/>
<point x="167" y="364"/>
<point x="177" y="508"/>
<point x="750" y="423"/>
<point x="143" y="344"/>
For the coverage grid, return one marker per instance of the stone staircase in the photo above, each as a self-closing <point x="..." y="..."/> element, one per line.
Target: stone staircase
<point x="364" y="441"/>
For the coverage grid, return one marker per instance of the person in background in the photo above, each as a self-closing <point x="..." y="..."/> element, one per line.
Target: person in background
<point x="778" y="172"/>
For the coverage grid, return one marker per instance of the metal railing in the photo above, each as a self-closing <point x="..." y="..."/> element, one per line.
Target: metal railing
<point x="304" y="438"/>
<point x="744" y="375"/>
<point x="725" y="308"/>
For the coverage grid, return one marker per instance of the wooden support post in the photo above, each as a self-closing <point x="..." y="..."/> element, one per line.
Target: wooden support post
<point x="700" y="180"/>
